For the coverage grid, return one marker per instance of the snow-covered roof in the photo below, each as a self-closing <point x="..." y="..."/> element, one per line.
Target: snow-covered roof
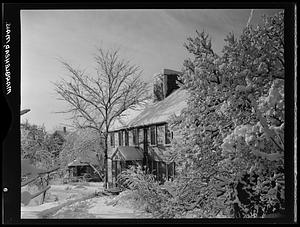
<point x="160" y="153"/>
<point x="128" y="153"/>
<point x="84" y="159"/>
<point x="77" y="163"/>
<point x="153" y="113"/>
<point x="127" y="117"/>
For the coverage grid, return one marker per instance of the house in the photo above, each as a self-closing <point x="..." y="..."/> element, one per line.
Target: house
<point x="142" y="135"/>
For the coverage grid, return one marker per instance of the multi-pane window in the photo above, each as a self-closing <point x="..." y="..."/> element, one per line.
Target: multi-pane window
<point x="141" y="137"/>
<point x="126" y="138"/>
<point x="112" y="139"/>
<point x="148" y="135"/>
<point x="116" y="139"/>
<point x="153" y="135"/>
<point x="120" y="138"/>
<point x="130" y="135"/>
<point x="145" y="136"/>
<point x="171" y="170"/>
<point x="135" y="136"/>
<point x="168" y="135"/>
<point x="160" y="134"/>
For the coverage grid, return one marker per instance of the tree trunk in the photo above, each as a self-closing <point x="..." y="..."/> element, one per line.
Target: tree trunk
<point x="106" y="162"/>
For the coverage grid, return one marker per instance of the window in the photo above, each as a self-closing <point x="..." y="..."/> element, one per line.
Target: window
<point x="130" y="135"/>
<point x="149" y="136"/>
<point x="145" y="136"/>
<point x="153" y="135"/>
<point x="120" y="138"/>
<point x="171" y="170"/>
<point x="126" y="138"/>
<point x="112" y="139"/>
<point x="160" y="134"/>
<point x="135" y="136"/>
<point x="141" y="137"/>
<point x="168" y="135"/>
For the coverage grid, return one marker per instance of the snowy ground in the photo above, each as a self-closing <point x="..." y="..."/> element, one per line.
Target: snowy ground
<point x="98" y="208"/>
<point x="78" y="201"/>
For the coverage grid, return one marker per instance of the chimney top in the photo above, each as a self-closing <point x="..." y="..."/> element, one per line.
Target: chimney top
<point x="166" y="83"/>
<point x="170" y="72"/>
<point x="170" y="78"/>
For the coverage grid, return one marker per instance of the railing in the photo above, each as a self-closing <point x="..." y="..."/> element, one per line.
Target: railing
<point x="34" y="174"/>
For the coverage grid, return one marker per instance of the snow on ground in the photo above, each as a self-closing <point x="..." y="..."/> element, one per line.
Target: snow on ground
<point x="58" y="195"/>
<point x="31" y="212"/>
<point x="98" y="208"/>
<point x="101" y="208"/>
<point x="64" y="202"/>
<point x="73" y="191"/>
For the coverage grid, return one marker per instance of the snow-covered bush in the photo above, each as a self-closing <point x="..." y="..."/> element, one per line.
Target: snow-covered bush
<point x="36" y="145"/>
<point x="173" y="199"/>
<point x="232" y="132"/>
<point x="146" y="188"/>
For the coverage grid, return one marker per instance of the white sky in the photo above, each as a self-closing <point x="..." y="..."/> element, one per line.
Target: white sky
<point x="151" y="39"/>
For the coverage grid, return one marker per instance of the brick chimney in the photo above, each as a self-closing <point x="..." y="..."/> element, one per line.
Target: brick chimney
<point x="169" y="81"/>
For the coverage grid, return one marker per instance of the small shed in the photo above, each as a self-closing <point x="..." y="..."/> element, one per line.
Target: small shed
<point x="81" y="168"/>
<point x="123" y="157"/>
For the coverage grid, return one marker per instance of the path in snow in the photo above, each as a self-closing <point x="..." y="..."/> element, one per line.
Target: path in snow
<point x="58" y="195"/>
<point x="78" y="201"/>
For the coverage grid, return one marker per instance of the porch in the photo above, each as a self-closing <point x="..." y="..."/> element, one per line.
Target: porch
<point x="154" y="161"/>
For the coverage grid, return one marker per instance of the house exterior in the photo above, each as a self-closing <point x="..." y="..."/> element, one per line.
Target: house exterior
<point x="142" y="136"/>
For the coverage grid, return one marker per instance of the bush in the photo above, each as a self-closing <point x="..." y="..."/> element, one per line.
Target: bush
<point x="173" y="199"/>
<point x="231" y="135"/>
<point x="145" y="186"/>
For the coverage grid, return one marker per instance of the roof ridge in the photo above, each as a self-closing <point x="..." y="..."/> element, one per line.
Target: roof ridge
<point x="156" y="112"/>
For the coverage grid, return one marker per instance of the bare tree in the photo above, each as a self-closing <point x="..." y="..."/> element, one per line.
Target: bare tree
<point x="84" y="145"/>
<point x="95" y="101"/>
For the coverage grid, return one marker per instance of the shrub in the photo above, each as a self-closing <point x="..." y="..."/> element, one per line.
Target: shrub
<point x="232" y="131"/>
<point x="173" y="199"/>
<point x="146" y="187"/>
